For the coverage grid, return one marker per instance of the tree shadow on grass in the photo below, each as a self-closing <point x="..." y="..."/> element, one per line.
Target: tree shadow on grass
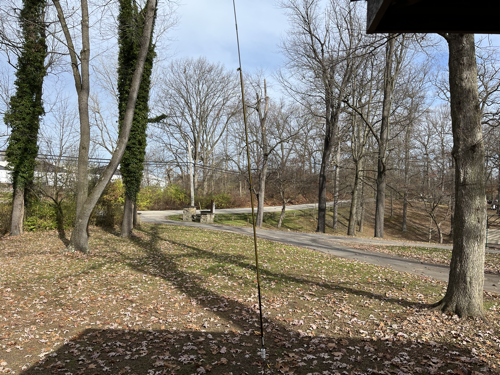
<point x="242" y="262"/>
<point x="177" y="344"/>
<point x="61" y="232"/>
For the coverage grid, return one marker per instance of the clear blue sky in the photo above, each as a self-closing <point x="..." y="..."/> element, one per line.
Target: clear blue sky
<point x="206" y="28"/>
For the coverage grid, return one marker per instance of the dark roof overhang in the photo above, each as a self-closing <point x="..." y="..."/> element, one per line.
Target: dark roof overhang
<point x="433" y="16"/>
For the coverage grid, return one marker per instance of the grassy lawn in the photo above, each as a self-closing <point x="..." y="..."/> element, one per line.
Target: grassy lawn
<point x="430" y="255"/>
<point x="179" y="300"/>
<point x="306" y="221"/>
<point x="297" y="221"/>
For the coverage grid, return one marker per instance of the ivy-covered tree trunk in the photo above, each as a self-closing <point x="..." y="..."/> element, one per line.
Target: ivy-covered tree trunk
<point x="26" y="107"/>
<point x="464" y="295"/>
<point x="131" y="24"/>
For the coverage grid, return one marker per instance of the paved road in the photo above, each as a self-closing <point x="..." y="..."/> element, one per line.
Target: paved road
<point x="337" y="246"/>
<point x="162" y="214"/>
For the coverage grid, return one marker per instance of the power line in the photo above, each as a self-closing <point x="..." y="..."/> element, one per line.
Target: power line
<point x="67" y="158"/>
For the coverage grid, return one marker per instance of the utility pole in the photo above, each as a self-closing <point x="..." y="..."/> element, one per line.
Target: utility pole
<point x="191" y="178"/>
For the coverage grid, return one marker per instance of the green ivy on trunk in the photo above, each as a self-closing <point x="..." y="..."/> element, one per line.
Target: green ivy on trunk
<point x="131" y="23"/>
<point x="26" y="107"/>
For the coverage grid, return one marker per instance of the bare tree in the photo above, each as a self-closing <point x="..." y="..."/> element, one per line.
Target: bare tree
<point x="55" y="174"/>
<point x="362" y="115"/>
<point x="320" y="55"/>
<point x="434" y="201"/>
<point x="261" y="139"/>
<point x="200" y="101"/>
<point x="394" y="58"/>
<point x="80" y="68"/>
<point x="80" y="65"/>
<point x="406" y="187"/>
<point x="308" y="144"/>
<point x="414" y="113"/>
<point x="6" y="91"/>
<point x="358" y="142"/>
<point x="271" y="131"/>
<point x="105" y="128"/>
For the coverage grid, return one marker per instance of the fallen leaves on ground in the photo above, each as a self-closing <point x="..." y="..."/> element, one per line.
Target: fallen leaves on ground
<point x="177" y="300"/>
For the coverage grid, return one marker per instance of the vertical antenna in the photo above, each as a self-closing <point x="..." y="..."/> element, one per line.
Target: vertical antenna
<point x="262" y="350"/>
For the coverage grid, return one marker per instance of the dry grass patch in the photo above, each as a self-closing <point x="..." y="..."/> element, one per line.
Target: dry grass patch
<point x="179" y="300"/>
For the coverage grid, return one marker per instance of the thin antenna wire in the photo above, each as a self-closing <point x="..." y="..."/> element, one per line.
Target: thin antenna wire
<point x="263" y="350"/>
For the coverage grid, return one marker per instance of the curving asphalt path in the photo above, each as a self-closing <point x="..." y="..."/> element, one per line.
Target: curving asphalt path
<point x="333" y="245"/>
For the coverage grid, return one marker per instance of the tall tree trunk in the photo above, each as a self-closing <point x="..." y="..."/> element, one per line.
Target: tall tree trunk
<point x="128" y="218"/>
<point x="26" y="107"/>
<point x="361" y="209"/>
<point x="130" y="25"/>
<point x="332" y="119"/>
<point x="283" y="212"/>
<point x="325" y="160"/>
<point x="427" y="171"/>
<point x="60" y="220"/>
<point x="353" y="214"/>
<point x="205" y="182"/>
<point x="430" y="229"/>
<point x="195" y="177"/>
<point x="260" y="197"/>
<point x="79" y="236"/>
<point x="464" y="295"/>
<point x="83" y="91"/>
<point x="380" y="201"/>
<point x="406" y="177"/>
<point x="262" y="112"/>
<point x="332" y="115"/>
<point x="404" y="226"/>
<point x="336" y="187"/>
<point x="438" y="227"/>
<point x="136" y="217"/>
<point x="16" y="227"/>
<point x="392" y="203"/>
<point x="191" y="174"/>
<point x="82" y="85"/>
<point x="384" y="137"/>
<point x="498" y="192"/>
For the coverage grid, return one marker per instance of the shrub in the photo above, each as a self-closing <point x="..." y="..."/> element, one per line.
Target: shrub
<point x="222" y="200"/>
<point x="69" y="212"/>
<point x="156" y="198"/>
<point x="150" y="198"/>
<point x="176" y="196"/>
<point x="113" y="194"/>
<point x="108" y="211"/>
<point x="40" y="215"/>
